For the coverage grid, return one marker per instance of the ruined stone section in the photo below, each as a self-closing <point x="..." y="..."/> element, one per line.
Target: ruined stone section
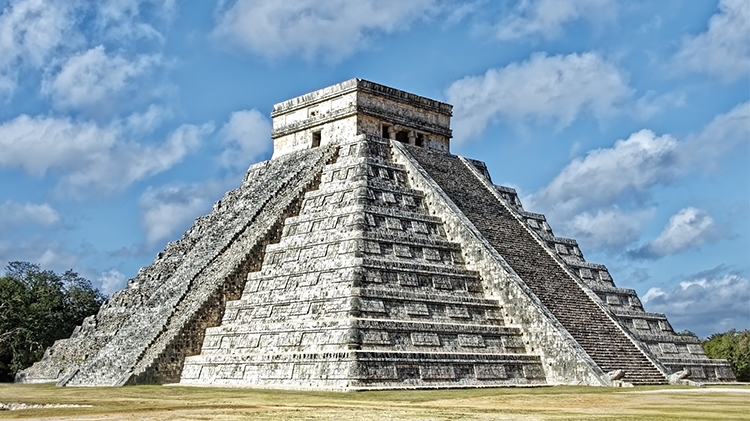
<point x="65" y="356"/>
<point x="204" y="305"/>
<point x="586" y="321"/>
<point x="355" y="107"/>
<point x="363" y="291"/>
<point x="677" y="353"/>
<point x="154" y="318"/>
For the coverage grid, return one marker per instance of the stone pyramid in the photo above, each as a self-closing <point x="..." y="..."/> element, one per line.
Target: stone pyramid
<point x="364" y="255"/>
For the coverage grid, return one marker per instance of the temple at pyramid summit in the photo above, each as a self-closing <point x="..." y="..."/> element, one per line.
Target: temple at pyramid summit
<point x="364" y="255"/>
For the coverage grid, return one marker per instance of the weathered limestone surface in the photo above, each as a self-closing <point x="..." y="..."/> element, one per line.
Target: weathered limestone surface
<point x="142" y="328"/>
<point x="363" y="291"/>
<point x="364" y="256"/>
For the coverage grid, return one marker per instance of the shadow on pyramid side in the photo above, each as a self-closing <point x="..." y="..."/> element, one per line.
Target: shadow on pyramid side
<point x="364" y="256"/>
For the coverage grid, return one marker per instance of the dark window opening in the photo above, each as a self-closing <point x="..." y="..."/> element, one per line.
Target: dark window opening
<point x="316" y="139"/>
<point x="386" y="131"/>
<point x="420" y="140"/>
<point x="402" y="136"/>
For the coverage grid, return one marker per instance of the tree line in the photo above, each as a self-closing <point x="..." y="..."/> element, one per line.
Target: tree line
<point x="733" y="346"/>
<point x="38" y="307"/>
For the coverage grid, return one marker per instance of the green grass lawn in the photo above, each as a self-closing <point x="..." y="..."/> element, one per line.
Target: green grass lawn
<point x="543" y="403"/>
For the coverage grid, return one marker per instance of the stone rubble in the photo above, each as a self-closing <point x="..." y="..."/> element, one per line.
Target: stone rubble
<point x="23" y="406"/>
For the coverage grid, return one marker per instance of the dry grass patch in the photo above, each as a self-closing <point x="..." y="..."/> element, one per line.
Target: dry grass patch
<point x="544" y="403"/>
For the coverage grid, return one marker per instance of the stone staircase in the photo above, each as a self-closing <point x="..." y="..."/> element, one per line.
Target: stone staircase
<point x="678" y="353"/>
<point x="364" y="291"/>
<point x="591" y="327"/>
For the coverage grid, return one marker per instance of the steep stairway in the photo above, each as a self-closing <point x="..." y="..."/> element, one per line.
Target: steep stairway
<point x="677" y="353"/>
<point x="605" y="343"/>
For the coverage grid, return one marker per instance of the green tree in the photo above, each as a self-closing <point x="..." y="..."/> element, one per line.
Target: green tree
<point x="37" y="308"/>
<point x="734" y="347"/>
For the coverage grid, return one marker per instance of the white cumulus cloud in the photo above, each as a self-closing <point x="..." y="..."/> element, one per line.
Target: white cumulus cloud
<point x="93" y="76"/>
<point x="121" y="19"/>
<point x="651" y="104"/>
<point x="111" y="281"/>
<point x="12" y="213"/>
<point x="50" y="39"/>
<point x="86" y="154"/>
<point x="31" y="31"/>
<point x="588" y="193"/>
<point x="632" y="166"/>
<point x="704" y="150"/>
<point x="548" y="89"/>
<point x="548" y="17"/>
<point x="247" y="136"/>
<point x="47" y="254"/>
<point x="604" y="175"/>
<point x="333" y="29"/>
<point x="724" y="49"/>
<point x="136" y="161"/>
<point x="688" y="228"/>
<point x="148" y="120"/>
<point x="38" y="144"/>
<point x="608" y="228"/>
<point x="705" y="303"/>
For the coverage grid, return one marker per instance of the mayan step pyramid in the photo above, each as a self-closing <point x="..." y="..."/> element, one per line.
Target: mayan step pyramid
<point x="364" y="255"/>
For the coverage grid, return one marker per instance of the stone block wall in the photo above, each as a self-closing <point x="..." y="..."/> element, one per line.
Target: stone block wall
<point x="364" y="291"/>
<point x="357" y="107"/>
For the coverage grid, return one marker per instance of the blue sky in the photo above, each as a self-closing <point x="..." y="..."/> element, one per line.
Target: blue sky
<point x="626" y="123"/>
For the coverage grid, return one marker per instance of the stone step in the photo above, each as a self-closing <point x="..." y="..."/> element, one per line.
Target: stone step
<point x="379" y="369"/>
<point x="382" y="304"/>
<point x="632" y="312"/>
<point x="380" y="263"/>
<point x="376" y="291"/>
<point x="422" y="281"/>
<point x="397" y="236"/>
<point x="413" y="215"/>
<point x="372" y="184"/>
<point x="372" y="334"/>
